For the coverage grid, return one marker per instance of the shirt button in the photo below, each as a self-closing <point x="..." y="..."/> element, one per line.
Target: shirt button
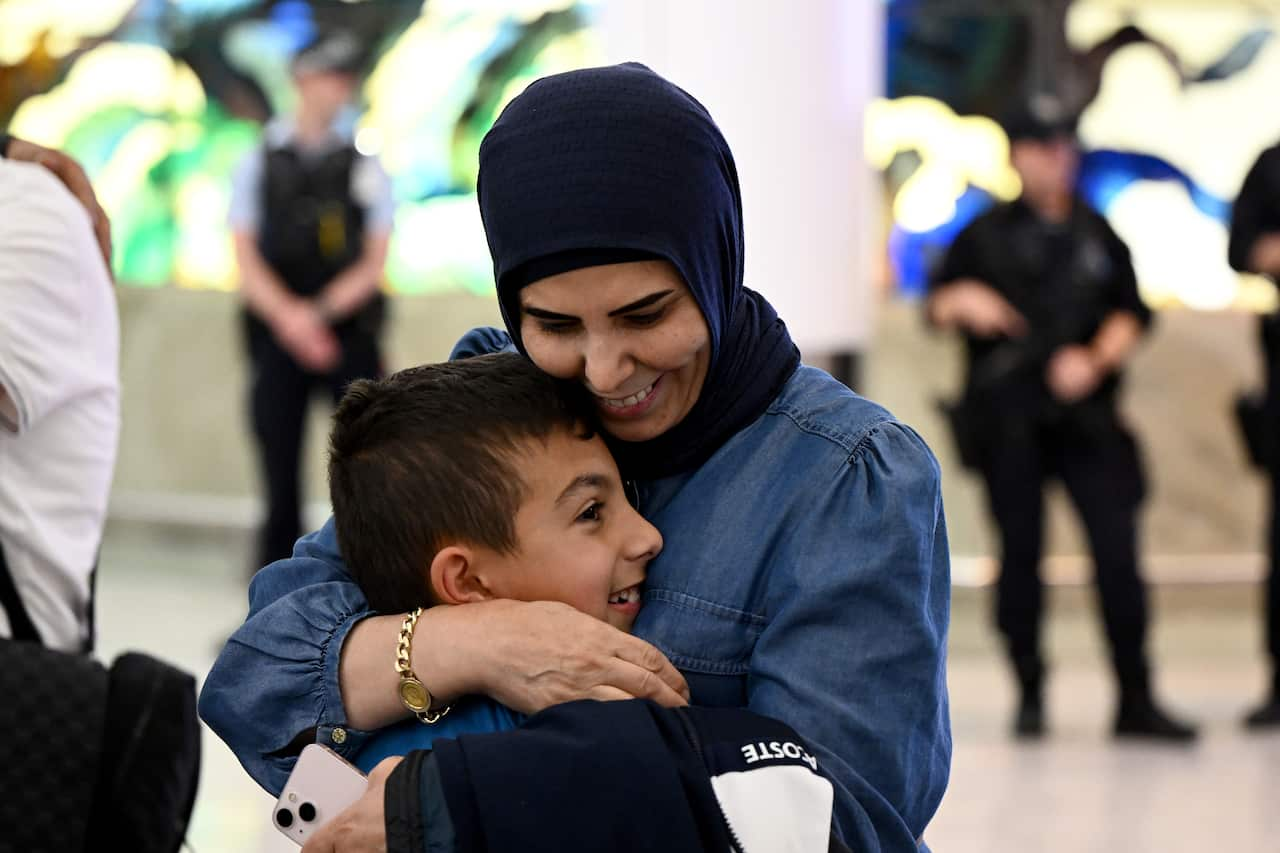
<point x="338" y="735"/>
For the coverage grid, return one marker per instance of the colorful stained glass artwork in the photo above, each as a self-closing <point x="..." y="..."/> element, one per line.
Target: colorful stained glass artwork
<point x="160" y="99"/>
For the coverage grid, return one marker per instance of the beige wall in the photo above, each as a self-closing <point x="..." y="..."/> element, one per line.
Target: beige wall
<point x="184" y="454"/>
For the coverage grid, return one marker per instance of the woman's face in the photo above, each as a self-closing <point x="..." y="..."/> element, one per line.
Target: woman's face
<point x="631" y="333"/>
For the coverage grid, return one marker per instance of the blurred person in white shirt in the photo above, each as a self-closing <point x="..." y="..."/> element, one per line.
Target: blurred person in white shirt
<point x="59" y="404"/>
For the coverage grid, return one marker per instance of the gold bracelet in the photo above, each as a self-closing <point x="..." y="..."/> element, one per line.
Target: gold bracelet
<point x="413" y="693"/>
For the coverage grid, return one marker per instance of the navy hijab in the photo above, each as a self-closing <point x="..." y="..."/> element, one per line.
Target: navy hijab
<point x="616" y="163"/>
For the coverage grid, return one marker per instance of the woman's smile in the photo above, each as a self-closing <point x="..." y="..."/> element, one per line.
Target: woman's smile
<point x="631" y="406"/>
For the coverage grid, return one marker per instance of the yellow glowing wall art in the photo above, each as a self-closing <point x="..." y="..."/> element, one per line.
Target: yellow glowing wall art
<point x="1176" y="123"/>
<point x="955" y="152"/>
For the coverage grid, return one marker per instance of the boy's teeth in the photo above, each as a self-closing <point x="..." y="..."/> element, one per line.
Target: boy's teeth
<point x="626" y="596"/>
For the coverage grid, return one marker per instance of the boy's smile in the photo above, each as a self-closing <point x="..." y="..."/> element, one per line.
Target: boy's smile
<point x="626" y="602"/>
<point x="578" y="539"/>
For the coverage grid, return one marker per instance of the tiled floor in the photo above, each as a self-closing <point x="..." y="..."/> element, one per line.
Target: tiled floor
<point x="178" y="597"/>
<point x="1079" y="790"/>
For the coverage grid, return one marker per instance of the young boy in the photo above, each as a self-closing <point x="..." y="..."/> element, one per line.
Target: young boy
<point x="479" y="479"/>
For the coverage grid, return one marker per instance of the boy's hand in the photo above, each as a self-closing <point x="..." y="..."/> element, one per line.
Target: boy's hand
<point x="362" y="827"/>
<point x="538" y="654"/>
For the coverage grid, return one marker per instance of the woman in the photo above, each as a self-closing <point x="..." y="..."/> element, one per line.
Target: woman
<point x="805" y="572"/>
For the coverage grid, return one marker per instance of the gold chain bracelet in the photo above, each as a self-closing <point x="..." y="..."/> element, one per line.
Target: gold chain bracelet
<point x="413" y="693"/>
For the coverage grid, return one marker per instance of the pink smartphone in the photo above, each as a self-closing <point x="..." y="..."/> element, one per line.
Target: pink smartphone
<point x="320" y="787"/>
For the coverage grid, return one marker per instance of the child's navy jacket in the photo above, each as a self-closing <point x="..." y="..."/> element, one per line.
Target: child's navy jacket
<point x="617" y="776"/>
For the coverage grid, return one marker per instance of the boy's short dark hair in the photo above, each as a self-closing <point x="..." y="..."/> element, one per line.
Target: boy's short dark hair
<point x="428" y="457"/>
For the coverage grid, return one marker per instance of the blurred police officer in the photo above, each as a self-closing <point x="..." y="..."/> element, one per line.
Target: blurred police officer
<point x="311" y="218"/>
<point x="1255" y="247"/>
<point x="1045" y="295"/>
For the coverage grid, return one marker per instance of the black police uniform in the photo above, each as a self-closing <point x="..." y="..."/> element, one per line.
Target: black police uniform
<point x="311" y="230"/>
<point x="1257" y="212"/>
<point x="1065" y="279"/>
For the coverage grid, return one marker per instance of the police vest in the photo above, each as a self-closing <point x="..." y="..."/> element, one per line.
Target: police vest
<point x="312" y="228"/>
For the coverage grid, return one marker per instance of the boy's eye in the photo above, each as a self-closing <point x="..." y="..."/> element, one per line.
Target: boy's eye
<point x="592" y="512"/>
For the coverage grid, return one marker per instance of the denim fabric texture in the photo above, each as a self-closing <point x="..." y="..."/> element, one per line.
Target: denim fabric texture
<point x="805" y="576"/>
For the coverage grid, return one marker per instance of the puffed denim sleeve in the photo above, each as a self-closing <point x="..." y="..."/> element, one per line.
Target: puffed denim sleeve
<point x="854" y="655"/>
<point x="482" y="340"/>
<point x="275" y="686"/>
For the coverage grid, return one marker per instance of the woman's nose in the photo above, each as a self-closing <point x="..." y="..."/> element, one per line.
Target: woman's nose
<point x="607" y="366"/>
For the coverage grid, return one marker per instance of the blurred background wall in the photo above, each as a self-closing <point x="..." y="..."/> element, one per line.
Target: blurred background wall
<point x="864" y="137"/>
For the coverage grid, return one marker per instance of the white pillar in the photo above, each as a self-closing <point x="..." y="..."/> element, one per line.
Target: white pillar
<point x="788" y="84"/>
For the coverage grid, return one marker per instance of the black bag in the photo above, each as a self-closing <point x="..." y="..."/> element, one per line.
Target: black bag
<point x="100" y="760"/>
<point x="54" y="711"/>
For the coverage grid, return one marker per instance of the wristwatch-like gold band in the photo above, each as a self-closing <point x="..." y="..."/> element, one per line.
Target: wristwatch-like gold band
<point x="413" y="693"/>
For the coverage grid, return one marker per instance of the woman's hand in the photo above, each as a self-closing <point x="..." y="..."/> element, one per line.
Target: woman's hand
<point x="362" y="828"/>
<point x="532" y="655"/>
<point x="526" y="655"/>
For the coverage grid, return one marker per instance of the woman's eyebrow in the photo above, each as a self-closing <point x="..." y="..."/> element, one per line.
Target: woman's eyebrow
<point x="641" y="303"/>
<point x="543" y="314"/>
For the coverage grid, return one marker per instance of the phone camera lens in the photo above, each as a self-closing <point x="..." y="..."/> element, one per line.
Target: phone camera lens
<point x="284" y="817"/>
<point x="307" y="812"/>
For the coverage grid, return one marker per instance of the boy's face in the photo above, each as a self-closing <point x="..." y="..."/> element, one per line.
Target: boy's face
<point x="578" y="539"/>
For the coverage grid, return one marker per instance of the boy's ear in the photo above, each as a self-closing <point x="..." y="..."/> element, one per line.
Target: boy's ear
<point x="455" y="579"/>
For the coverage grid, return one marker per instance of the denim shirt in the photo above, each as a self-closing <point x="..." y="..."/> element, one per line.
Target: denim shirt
<point x="805" y="575"/>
